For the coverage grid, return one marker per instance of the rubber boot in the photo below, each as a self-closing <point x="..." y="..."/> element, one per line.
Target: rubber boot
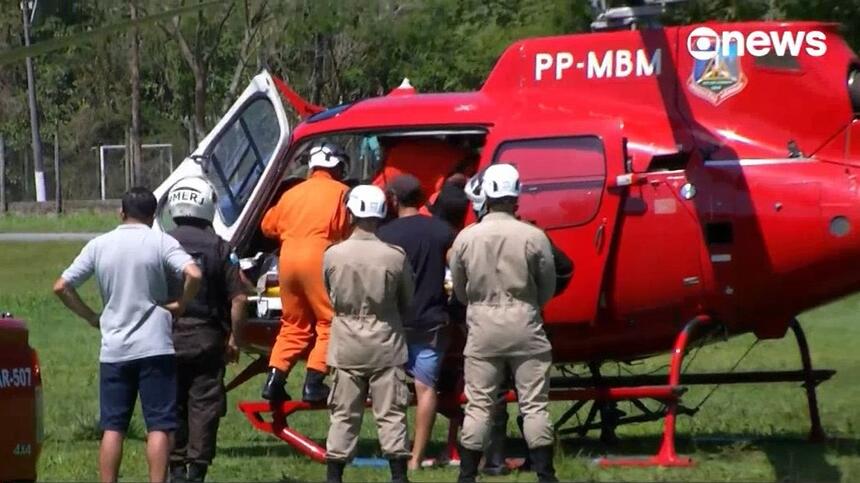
<point x="334" y="471"/>
<point x="527" y="462"/>
<point x="314" y="391"/>
<point x="178" y="472"/>
<point x="469" y="460"/>
<point x="197" y="472"/>
<point x="398" y="470"/>
<point x="494" y="455"/>
<point x="542" y="464"/>
<point x="273" y="389"/>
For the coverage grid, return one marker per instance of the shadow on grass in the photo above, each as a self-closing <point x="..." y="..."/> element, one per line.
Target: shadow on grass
<point x="791" y="455"/>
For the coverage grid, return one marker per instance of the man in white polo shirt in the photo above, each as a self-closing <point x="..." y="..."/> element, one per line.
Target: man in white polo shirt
<point x="132" y="264"/>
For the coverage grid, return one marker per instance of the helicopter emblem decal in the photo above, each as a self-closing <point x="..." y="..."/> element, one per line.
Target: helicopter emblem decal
<point x="720" y="77"/>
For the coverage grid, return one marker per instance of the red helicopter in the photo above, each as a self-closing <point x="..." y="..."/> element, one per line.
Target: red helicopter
<point x="699" y="177"/>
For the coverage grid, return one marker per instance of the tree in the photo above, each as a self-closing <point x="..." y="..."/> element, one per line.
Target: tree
<point x="253" y="34"/>
<point x="188" y="70"/>
<point x="199" y="53"/>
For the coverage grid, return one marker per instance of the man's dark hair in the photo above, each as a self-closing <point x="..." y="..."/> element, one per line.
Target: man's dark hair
<point x="407" y="189"/>
<point x="139" y="203"/>
<point x="500" y="202"/>
<point x="413" y="199"/>
<point x="451" y="205"/>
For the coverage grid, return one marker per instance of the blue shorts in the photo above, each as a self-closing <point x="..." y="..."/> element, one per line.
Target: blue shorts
<point x="424" y="363"/>
<point x="154" y="378"/>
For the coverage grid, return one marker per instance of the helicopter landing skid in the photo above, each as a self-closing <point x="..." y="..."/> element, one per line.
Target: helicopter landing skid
<point x="277" y="424"/>
<point x="601" y="390"/>
<point x="667" y="456"/>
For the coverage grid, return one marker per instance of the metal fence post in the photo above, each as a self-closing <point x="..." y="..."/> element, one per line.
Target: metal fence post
<point x="3" y="205"/>
<point x="129" y="182"/>
<point x="58" y="181"/>
<point x="102" y="171"/>
<point x="25" y="195"/>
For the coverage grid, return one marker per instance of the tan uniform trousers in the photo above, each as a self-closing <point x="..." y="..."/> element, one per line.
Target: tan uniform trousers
<point x="484" y="379"/>
<point x="389" y="396"/>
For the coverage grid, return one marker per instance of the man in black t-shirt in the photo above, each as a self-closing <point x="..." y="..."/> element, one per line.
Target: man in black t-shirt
<point x="426" y="241"/>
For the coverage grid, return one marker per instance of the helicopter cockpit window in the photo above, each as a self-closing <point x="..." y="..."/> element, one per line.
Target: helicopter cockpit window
<point x="370" y="152"/>
<point x="239" y="158"/>
<point x="562" y="178"/>
<point x="365" y="158"/>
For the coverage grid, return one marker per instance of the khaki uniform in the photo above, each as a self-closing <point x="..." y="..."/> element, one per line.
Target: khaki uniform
<point x="370" y="285"/>
<point x="504" y="270"/>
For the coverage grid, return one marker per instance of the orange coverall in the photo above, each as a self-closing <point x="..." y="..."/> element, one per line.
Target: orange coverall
<point x="307" y="219"/>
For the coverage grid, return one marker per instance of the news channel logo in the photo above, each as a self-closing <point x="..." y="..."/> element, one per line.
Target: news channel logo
<point x="704" y="43"/>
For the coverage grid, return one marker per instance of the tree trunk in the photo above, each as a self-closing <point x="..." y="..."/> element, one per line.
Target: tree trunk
<point x="317" y="74"/>
<point x="252" y="25"/>
<point x="197" y="57"/>
<point x="134" y="70"/>
<point x="200" y="74"/>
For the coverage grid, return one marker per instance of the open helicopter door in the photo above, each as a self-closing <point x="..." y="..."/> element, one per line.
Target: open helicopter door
<point x="236" y="156"/>
<point x="569" y="174"/>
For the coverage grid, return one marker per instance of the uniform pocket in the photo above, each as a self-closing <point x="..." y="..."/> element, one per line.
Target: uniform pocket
<point x="331" y="393"/>
<point x="402" y="394"/>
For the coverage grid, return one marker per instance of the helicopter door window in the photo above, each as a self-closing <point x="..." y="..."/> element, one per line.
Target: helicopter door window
<point x="562" y="178"/>
<point x="239" y="158"/>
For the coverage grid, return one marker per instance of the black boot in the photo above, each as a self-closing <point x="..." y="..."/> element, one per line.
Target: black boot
<point x="334" y="471"/>
<point x="494" y="455"/>
<point x="398" y="470"/>
<point x="469" y="460"/>
<point x="273" y="389"/>
<point x="197" y="472"/>
<point x="178" y="472"/>
<point x="315" y="391"/>
<point x="542" y="464"/>
<point x="527" y="461"/>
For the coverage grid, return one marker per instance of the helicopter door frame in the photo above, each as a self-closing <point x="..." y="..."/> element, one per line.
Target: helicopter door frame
<point x="237" y="156"/>
<point x="577" y="205"/>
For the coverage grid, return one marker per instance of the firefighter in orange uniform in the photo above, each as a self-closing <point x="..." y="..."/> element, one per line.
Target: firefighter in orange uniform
<point x="307" y="219"/>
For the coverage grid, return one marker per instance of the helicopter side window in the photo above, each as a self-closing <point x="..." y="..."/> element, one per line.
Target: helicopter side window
<point x="562" y="178"/>
<point x="239" y="158"/>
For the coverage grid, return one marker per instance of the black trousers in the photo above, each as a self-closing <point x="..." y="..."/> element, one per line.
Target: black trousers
<point x="201" y="402"/>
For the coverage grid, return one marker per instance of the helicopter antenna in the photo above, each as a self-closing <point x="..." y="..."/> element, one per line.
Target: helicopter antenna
<point x="636" y="15"/>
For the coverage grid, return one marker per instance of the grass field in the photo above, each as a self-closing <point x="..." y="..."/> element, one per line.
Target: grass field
<point x="82" y="221"/>
<point x="743" y="433"/>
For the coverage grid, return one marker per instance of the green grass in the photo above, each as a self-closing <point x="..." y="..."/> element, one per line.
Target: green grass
<point x="79" y="221"/>
<point x="743" y="433"/>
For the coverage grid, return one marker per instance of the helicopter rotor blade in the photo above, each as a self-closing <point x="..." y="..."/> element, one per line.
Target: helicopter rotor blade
<point x="46" y="46"/>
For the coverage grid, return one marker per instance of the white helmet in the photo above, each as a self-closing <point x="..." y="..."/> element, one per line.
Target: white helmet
<point x="500" y="181"/>
<point x="367" y="201"/>
<point x="475" y="193"/>
<point x="326" y="155"/>
<point x="192" y="197"/>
